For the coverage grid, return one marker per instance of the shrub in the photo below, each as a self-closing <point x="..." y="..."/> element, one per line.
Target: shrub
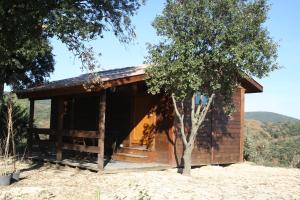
<point x="19" y="117"/>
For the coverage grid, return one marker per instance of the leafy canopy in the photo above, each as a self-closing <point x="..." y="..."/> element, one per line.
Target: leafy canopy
<point x="26" y="25"/>
<point x="208" y="45"/>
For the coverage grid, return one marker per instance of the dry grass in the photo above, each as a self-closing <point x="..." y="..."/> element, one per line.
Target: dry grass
<point x="238" y="181"/>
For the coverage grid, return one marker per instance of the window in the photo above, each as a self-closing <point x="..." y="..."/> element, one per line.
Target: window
<point x="198" y="99"/>
<point x="42" y="113"/>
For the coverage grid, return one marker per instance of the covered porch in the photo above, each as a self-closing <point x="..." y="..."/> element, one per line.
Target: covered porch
<point x="63" y="136"/>
<point x="97" y="130"/>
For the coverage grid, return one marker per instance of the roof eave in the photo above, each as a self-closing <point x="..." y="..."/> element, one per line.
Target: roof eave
<point x="251" y="85"/>
<point x="77" y="89"/>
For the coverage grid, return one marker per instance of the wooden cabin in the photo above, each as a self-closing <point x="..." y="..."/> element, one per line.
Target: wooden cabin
<point x="121" y="121"/>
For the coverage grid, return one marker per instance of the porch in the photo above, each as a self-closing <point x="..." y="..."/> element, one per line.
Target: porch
<point x="110" y="166"/>
<point x="96" y="130"/>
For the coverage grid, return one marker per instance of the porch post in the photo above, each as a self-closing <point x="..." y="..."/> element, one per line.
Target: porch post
<point x="242" y="116"/>
<point x="30" y="125"/>
<point x="101" y="129"/>
<point x="60" y="118"/>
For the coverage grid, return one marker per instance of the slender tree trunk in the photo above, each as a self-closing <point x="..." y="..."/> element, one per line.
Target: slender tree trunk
<point x="197" y="117"/>
<point x="187" y="160"/>
<point x="1" y="91"/>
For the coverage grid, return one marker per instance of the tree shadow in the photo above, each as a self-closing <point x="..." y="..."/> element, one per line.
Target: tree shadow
<point x="211" y="133"/>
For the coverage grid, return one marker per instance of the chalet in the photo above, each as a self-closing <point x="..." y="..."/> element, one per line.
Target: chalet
<point x="119" y="120"/>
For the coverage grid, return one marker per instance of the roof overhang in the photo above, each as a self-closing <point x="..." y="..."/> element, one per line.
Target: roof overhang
<point x="110" y="78"/>
<point x="250" y="85"/>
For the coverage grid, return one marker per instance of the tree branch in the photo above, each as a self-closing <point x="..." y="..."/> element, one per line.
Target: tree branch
<point x="205" y="110"/>
<point x="193" y="117"/>
<point x="199" y="107"/>
<point x="181" y="118"/>
<point x="200" y="120"/>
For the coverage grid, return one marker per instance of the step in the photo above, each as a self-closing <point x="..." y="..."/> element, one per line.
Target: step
<point x="131" y="157"/>
<point x="134" y="150"/>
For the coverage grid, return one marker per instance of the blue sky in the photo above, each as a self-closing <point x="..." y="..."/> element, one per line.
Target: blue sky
<point x="281" y="89"/>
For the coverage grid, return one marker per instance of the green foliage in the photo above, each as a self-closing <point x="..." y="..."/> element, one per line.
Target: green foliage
<point x="26" y="56"/>
<point x="26" y="25"/>
<point x="143" y="195"/>
<point x="207" y="45"/>
<point x="19" y="117"/>
<point x="98" y="195"/>
<point x="280" y="147"/>
<point x="256" y="148"/>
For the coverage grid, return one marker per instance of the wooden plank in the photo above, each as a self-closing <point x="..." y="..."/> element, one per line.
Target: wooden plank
<point x="101" y="129"/>
<point x="68" y="133"/>
<point x="45" y="131"/>
<point x="81" y="148"/>
<point x="60" y="118"/>
<point x="80" y="133"/>
<point x="30" y="124"/>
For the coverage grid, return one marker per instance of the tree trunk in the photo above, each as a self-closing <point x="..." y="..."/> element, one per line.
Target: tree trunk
<point x="1" y="91"/>
<point x="197" y="117"/>
<point x="187" y="159"/>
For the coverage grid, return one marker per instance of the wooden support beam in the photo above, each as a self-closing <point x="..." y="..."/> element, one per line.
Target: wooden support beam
<point x="81" y="134"/>
<point x="81" y="148"/>
<point x="101" y="129"/>
<point x="45" y="131"/>
<point x="242" y="111"/>
<point x="68" y="133"/>
<point x="30" y="125"/>
<point x="60" y="122"/>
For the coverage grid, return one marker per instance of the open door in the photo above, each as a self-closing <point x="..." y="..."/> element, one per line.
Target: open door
<point x="143" y="120"/>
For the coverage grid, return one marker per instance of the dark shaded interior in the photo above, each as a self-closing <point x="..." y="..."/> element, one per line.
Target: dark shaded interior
<point x="118" y="117"/>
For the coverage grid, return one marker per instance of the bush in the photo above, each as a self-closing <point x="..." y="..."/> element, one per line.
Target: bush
<point x="19" y="117"/>
<point x="279" y="147"/>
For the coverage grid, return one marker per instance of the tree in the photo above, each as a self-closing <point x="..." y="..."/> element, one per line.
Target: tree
<point x="26" y="55"/>
<point x="206" y="47"/>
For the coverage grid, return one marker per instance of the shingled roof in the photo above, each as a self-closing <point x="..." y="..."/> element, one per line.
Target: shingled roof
<point x="110" y="78"/>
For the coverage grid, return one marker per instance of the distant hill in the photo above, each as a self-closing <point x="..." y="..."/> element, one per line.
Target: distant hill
<point x="268" y="117"/>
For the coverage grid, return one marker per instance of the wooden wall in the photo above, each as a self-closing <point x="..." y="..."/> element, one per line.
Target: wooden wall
<point x="220" y="140"/>
<point x="228" y="132"/>
<point x="163" y="135"/>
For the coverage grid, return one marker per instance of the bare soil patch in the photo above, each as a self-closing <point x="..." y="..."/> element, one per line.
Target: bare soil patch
<point x="237" y="181"/>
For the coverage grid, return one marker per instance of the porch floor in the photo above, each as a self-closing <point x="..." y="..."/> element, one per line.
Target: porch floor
<point x="111" y="166"/>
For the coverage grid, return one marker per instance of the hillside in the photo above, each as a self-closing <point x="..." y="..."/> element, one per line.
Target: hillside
<point x="273" y="143"/>
<point x="268" y="117"/>
<point x="42" y="113"/>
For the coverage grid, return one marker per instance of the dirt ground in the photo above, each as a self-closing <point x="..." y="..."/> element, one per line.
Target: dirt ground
<point x="238" y="181"/>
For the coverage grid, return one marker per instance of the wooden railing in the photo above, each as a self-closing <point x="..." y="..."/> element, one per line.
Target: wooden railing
<point x="72" y="134"/>
<point x="45" y="131"/>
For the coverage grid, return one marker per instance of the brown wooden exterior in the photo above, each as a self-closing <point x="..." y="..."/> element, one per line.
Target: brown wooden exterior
<point x="126" y="123"/>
